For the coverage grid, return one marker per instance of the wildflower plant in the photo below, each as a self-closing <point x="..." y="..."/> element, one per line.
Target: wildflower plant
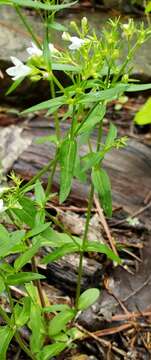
<point x="97" y="76"/>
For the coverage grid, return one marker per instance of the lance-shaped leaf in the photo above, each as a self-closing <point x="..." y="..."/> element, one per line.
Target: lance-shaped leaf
<point x="37" y="4"/>
<point x="48" y="104"/>
<point x="49" y="351"/>
<point x="87" y="298"/>
<point x="23" y="277"/>
<point x="103" y="249"/>
<point x="62" y="251"/>
<point x="104" y="95"/>
<point x="94" y="117"/>
<point x="102" y="185"/>
<point x="6" y="334"/>
<point x="59" y="321"/>
<point x="111" y="136"/>
<point x="67" y="158"/>
<point x="26" y="256"/>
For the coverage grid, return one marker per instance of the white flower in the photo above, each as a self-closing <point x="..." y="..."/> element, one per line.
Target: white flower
<point x="76" y="43"/>
<point x="19" y="70"/>
<point x="1" y="205"/>
<point x="34" y="50"/>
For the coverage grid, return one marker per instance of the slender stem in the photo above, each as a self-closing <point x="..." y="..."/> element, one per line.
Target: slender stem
<point x="27" y="26"/>
<point x="23" y="346"/>
<point x="73" y="122"/>
<point x="50" y="178"/>
<point x="4" y="315"/>
<point x="38" y="175"/>
<point x="56" y="118"/>
<point x="38" y="283"/>
<point x="90" y="203"/>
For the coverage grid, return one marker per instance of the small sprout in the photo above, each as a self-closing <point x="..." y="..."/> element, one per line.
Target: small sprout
<point x="133" y="221"/>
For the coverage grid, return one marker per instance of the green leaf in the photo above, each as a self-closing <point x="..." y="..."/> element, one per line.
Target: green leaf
<point x="66" y="67"/>
<point x="23" y="277"/>
<point x="138" y="87"/>
<point x="143" y="116"/>
<point x="103" y="249"/>
<point x="94" y="117"/>
<point x="91" y="159"/>
<point x="22" y="313"/>
<point x="67" y="159"/>
<point x="57" y="26"/>
<point x="24" y="258"/>
<point x="39" y="194"/>
<point x="102" y="185"/>
<point x="27" y="213"/>
<point x="38" y="4"/>
<point x="14" y="85"/>
<point x="111" y="136"/>
<point x="6" y="334"/>
<point x="61" y="251"/>
<point x="108" y="94"/>
<point x="56" y="239"/>
<point x="148" y="7"/>
<point x="58" y="323"/>
<point x="56" y="308"/>
<point x="87" y="298"/>
<point x="36" y="324"/>
<point x="47" y="138"/>
<point x="38" y="229"/>
<point x="2" y="285"/>
<point x="52" y="103"/>
<point x="49" y="351"/>
<point x="8" y="241"/>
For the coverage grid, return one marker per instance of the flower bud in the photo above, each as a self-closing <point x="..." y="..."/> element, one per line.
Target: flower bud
<point x="66" y="36"/>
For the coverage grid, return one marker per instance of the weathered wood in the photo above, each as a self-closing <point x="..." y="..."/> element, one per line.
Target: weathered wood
<point x="64" y="273"/>
<point x="129" y="168"/>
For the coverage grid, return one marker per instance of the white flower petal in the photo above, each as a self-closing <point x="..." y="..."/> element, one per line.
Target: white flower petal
<point x="34" y="50"/>
<point x="76" y="43"/>
<point x="19" y="70"/>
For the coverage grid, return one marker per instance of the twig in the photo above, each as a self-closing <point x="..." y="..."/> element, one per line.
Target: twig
<point x="113" y="330"/>
<point x="138" y="289"/>
<point x="136" y="213"/>
<point x="132" y="315"/>
<point x="103" y="342"/>
<point x="105" y="225"/>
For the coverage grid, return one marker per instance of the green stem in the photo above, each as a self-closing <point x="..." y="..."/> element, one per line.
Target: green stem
<point x="50" y="178"/>
<point x="38" y="175"/>
<point x="23" y="346"/>
<point x="56" y="118"/>
<point x="90" y="203"/>
<point x="27" y="26"/>
<point x="73" y="122"/>
<point x="21" y="343"/>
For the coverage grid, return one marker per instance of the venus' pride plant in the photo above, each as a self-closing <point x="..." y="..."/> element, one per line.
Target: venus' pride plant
<point x="97" y="75"/>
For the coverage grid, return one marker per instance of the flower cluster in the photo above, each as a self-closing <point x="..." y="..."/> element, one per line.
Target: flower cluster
<point x="20" y="70"/>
